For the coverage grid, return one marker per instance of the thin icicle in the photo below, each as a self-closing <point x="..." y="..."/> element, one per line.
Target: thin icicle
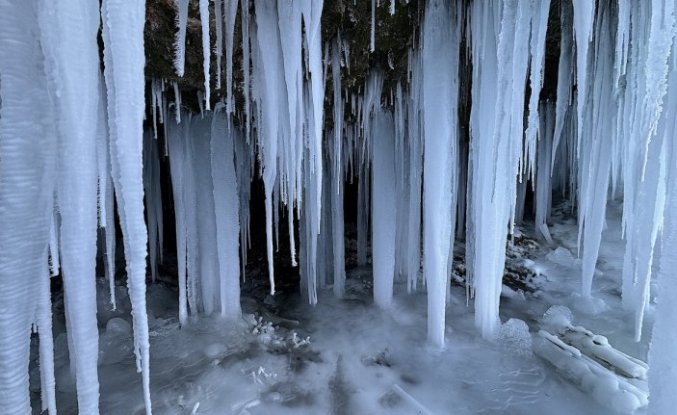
<point x="180" y="44"/>
<point x="206" y="50"/>
<point x="230" y="12"/>
<point x="218" y="50"/>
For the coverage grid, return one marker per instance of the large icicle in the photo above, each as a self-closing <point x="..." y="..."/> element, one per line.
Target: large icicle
<point x="336" y="157"/>
<point x="584" y="19"/>
<point x="663" y="354"/>
<point x="415" y="173"/>
<point x="441" y="30"/>
<point x="272" y="101"/>
<point x="564" y="74"/>
<point x="28" y="151"/>
<point x="227" y="208"/>
<point x="383" y="209"/>
<point x="73" y="62"/>
<point x="496" y="137"/>
<point x="124" y="61"/>
<point x="176" y="162"/>
<point x="595" y="157"/>
<point x="539" y="25"/>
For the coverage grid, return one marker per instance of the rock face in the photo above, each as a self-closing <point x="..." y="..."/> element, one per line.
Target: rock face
<point x="352" y="20"/>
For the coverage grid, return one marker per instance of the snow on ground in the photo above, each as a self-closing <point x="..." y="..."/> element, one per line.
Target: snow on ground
<point x="349" y="357"/>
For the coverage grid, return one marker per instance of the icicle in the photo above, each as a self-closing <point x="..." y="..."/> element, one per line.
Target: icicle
<point x="28" y="147"/>
<point x="226" y="204"/>
<point x="415" y="173"/>
<point x="229" y="22"/>
<point x="206" y="50"/>
<point x="392" y="7"/>
<point x="44" y="323"/>
<point x="584" y="16"/>
<point x="441" y="38"/>
<point x="54" y="256"/>
<point x="383" y="207"/>
<point x="176" y="161"/>
<point x="539" y="27"/>
<point x="245" y="69"/>
<point x="180" y="46"/>
<point x="595" y="155"/>
<point x="564" y="74"/>
<point x="177" y="103"/>
<point x="72" y="49"/>
<point x="372" y="36"/>
<point x="270" y="91"/>
<point x="218" y="51"/>
<point x="662" y="353"/>
<point x="124" y="60"/>
<point x="662" y="32"/>
<point x="496" y="128"/>
<point x="543" y="173"/>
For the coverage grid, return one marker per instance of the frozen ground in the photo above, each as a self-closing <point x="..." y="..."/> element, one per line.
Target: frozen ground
<point x="358" y="359"/>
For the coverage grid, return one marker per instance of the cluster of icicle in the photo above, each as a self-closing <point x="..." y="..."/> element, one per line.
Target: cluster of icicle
<point x="70" y="142"/>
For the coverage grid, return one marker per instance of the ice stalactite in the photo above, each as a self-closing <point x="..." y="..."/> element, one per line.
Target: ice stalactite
<point x="372" y="35"/>
<point x="312" y="18"/>
<point x="662" y="353"/>
<point x="244" y="168"/>
<point x="44" y="323"/>
<point x="496" y="136"/>
<point x="383" y="207"/>
<point x="363" y="196"/>
<point x="227" y="208"/>
<point x="643" y="136"/>
<point x="401" y="183"/>
<point x="218" y="49"/>
<point x="289" y="23"/>
<point x="230" y="11"/>
<point x="72" y="62"/>
<point x="564" y="74"/>
<point x="105" y="191"/>
<point x="539" y="25"/>
<point x="270" y="95"/>
<point x="244" y="15"/>
<point x="441" y="38"/>
<point x="175" y="140"/>
<point x="180" y="43"/>
<point x="415" y="154"/>
<point x="543" y="198"/>
<point x="124" y="61"/>
<point x="336" y="155"/>
<point x="595" y="157"/>
<point x="153" y="202"/>
<point x="207" y="273"/>
<point x="206" y="51"/>
<point x="28" y="149"/>
<point x="583" y="21"/>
